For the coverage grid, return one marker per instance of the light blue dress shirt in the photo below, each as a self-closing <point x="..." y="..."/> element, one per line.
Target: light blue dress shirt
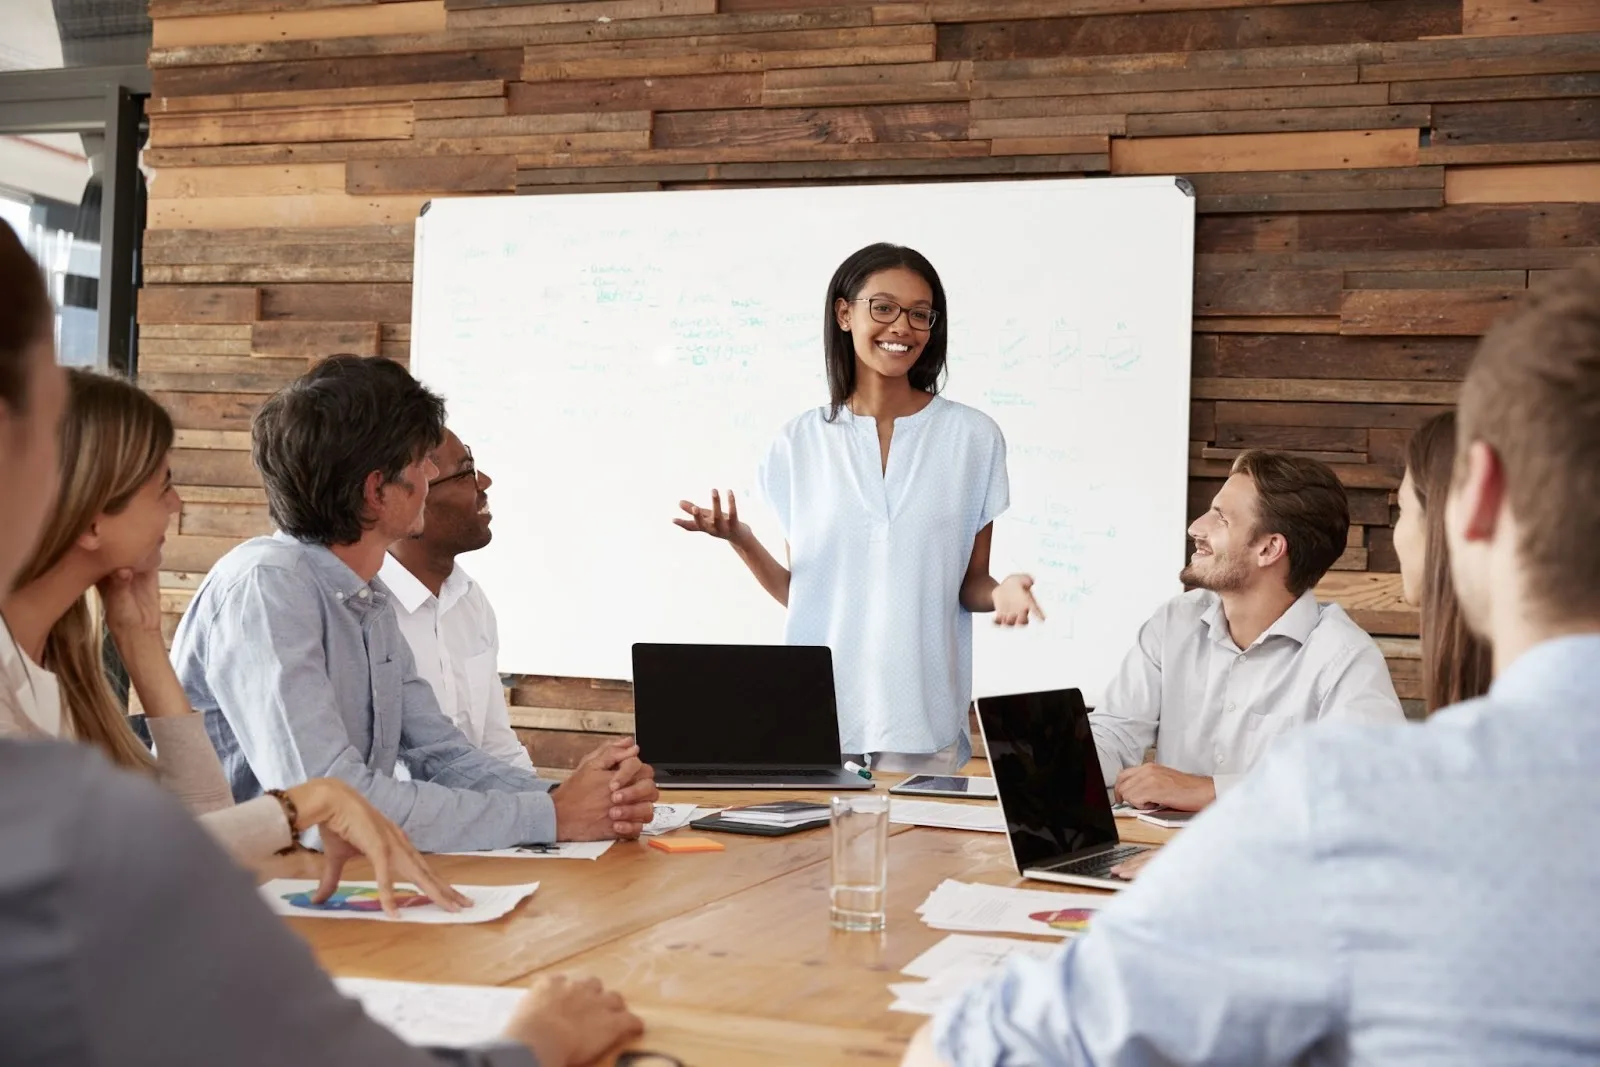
<point x="877" y="558"/>
<point x="302" y="672"/>
<point x="1415" y="894"/>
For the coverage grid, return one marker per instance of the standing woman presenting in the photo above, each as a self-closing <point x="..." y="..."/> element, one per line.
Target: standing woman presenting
<point x="887" y="497"/>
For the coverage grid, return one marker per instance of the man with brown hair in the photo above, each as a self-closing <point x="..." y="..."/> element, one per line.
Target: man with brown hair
<point x="1247" y="654"/>
<point x="1415" y="894"/>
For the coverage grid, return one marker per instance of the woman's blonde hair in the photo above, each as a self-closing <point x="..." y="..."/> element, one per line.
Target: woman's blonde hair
<point x="114" y="438"/>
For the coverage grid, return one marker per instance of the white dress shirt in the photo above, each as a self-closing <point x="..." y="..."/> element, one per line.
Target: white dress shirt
<point x="1417" y="895"/>
<point x="1212" y="708"/>
<point x="877" y="557"/>
<point x="456" y="642"/>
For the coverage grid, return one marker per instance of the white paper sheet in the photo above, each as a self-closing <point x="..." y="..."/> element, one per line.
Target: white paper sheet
<point x="671" y="817"/>
<point x="963" y="952"/>
<point x="565" y="850"/>
<point x="985" y="818"/>
<point x="953" y="964"/>
<point x="448" y="1016"/>
<point x="361" y="902"/>
<point x="974" y="908"/>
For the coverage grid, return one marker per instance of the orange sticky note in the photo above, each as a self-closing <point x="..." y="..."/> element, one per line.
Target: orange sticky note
<point x="686" y="844"/>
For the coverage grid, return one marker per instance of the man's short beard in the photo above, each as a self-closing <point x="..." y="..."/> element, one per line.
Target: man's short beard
<point x="1227" y="579"/>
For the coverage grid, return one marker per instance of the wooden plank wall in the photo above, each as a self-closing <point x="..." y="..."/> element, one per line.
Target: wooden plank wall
<point x="1377" y="179"/>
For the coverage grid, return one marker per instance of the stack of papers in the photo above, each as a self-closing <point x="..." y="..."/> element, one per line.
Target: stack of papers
<point x="985" y="818"/>
<point x="565" y="850"/>
<point x="972" y="908"/>
<point x="671" y="817"/>
<point x="782" y="813"/>
<point x="952" y="965"/>
<point x="444" y="1016"/>
<point x="1167" y="817"/>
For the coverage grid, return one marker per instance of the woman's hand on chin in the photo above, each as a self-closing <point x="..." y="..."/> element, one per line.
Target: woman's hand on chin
<point x="132" y="602"/>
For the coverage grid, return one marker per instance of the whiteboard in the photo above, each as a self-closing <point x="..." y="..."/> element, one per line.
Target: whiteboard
<point x="606" y="355"/>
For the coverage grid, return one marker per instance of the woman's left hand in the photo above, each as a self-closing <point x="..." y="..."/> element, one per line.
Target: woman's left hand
<point x="132" y="602"/>
<point x="1014" y="602"/>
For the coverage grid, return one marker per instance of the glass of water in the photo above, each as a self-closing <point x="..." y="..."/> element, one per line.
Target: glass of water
<point x="860" y="863"/>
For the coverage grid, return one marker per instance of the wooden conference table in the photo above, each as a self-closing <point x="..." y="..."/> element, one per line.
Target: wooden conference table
<point x="727" y="956"/>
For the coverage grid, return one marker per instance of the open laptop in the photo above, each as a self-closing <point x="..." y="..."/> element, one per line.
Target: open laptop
<point x="1052" y="794"/>
<point x="739" y="717"/>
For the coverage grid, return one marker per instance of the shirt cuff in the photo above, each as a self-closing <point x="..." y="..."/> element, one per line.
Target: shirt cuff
<point x="540" y="820"/>
<point x="1224" y="782"/>
<point x="252" y="831"/>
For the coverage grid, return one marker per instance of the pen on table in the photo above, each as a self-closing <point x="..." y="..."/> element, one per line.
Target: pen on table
<point x="545" y="849"/>
<point x="852" y="765"/>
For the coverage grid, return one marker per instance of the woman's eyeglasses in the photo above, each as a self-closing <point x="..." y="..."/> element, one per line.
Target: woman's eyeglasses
<point x="887" y="311"/>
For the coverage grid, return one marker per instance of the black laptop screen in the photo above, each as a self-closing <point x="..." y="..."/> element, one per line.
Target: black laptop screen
<point x="1042" y="756"/>
<point x="735" y="704"/>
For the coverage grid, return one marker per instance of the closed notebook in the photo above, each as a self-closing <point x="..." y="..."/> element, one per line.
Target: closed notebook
<point x="781" y="813"/>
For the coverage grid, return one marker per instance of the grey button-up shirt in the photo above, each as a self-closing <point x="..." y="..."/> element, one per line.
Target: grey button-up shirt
<point x="1212" y="708"/>
<point x="127" y="937"/>
<point x="302" y="672"/>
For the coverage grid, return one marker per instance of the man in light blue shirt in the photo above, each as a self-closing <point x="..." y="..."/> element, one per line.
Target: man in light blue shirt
<point x="293" y="651"/>
<point x="1408" y="894"/>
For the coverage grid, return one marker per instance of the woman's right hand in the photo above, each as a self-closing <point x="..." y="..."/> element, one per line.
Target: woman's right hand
<point x="566" y="1022"/>
<point x="712" y="520"/>
<point x="351" y="826"/>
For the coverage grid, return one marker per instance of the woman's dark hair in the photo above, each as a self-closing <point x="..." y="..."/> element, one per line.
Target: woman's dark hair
<point x="316" y="440"/>
<point x="1456" y="665"/>
<point x="838" y="347"/>
<point x="26" y="317"/>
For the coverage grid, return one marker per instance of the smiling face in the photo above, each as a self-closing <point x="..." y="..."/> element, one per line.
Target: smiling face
<point x="458" y="515"/>
<point x="890" y="349"/>
<point x="133" y="536"/>
<point x="1222" y="557"/>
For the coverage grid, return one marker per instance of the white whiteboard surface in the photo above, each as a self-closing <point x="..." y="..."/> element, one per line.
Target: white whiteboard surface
<point x="606" y="355"/>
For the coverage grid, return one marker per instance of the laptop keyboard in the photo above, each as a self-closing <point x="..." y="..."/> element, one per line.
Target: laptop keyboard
<point x="1097" y="866"/>
<point x="765" y="772"/>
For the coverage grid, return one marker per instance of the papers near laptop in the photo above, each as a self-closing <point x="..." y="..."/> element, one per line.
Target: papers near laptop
<point x="974" y="908"/>
<point x="447" y="1016"/>
<point x="359" y="900"/>
<point x="982" y="817"/>
<point x="952" y="965"/>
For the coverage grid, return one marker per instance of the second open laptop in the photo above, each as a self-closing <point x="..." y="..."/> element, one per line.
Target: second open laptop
<point x="1052" y="794"/>
<point x="739" y="717"/>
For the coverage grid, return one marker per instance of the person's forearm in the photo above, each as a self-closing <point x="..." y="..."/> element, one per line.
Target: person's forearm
<point x="977" y="593"/>
<point x="151" y="673"/>
<point x="773" y="576"/>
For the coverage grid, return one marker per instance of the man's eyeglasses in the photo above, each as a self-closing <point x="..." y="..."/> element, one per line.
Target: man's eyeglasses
<point x="887" y="311"/>
<point x="468" y="469"/>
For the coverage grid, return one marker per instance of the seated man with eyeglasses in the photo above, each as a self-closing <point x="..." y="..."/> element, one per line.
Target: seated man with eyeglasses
<point x="444" y="614"/>
<point x="293" y="651"/>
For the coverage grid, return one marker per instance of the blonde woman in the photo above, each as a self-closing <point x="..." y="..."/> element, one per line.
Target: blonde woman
<point x="95" y="568"/>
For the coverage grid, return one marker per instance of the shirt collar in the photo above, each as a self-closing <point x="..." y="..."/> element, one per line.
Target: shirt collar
<point x="1561" y="670"/>
<point x="411" y="594"/>
<point x="334" y="573"/>
<point x="1296" y="623"/>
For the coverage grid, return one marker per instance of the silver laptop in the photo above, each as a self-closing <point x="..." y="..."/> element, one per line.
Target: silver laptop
<point x="739" y="717"/>
<point x="1052" y="794"/>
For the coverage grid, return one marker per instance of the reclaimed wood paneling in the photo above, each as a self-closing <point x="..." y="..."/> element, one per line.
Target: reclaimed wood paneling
<point x="1376" y="180"/>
